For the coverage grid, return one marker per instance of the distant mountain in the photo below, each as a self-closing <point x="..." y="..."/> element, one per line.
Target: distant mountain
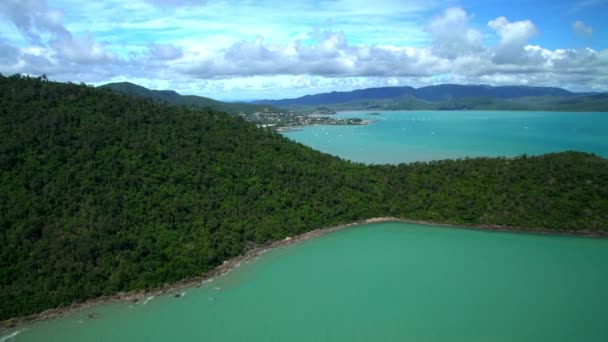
<point x="172" y="97"/>
<point x="454" y="92"/>
<point x="451" y="96"/>
<point x="343" y="96"/>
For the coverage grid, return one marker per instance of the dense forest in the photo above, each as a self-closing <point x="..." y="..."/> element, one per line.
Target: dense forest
<point x="101" y="192"/>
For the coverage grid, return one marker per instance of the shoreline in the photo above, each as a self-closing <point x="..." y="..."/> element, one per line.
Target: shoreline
<point x="251" y="253"/>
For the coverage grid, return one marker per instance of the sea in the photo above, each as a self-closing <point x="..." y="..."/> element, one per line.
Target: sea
<point x="408" y="136"/>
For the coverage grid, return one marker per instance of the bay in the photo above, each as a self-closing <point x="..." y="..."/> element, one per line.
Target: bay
<point x="409" y="136"/>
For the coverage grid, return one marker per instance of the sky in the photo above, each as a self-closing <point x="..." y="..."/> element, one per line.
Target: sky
<point x="261" y="49"/>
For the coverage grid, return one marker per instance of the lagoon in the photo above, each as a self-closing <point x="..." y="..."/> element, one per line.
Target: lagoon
<point x="409" y="136"/>
<point x="386" y="282"/>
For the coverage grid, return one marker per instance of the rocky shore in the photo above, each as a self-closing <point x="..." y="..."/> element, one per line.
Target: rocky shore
<point x="253" y="252"/>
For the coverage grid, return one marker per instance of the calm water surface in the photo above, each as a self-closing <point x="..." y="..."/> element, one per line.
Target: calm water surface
<point x="378" y="282"/>
<point x="406" y="136"/>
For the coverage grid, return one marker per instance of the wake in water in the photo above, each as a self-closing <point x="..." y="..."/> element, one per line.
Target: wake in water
<point x="9" y="337"/>
<point x="147" y="300"/>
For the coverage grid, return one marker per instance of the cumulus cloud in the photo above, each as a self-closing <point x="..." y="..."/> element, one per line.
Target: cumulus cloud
<point x="456" y="53"/>
<point x="452" y="36"/>
<point x="514" y="37"/>
<point x="82" y="49"/>
<point x="43" y="27"/>
<point x="513" y="33"/>
<point x="329" y="55"/>
<point x="32" y="17"/>
<point x="581" y="29"/>
<point x="332" y="56"/>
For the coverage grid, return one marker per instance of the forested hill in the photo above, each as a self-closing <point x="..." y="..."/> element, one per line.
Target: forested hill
<point x="102" y="193"/>
<point x="172" y="97"/>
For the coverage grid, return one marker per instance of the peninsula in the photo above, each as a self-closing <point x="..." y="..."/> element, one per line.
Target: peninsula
<point x="111" y="193"/>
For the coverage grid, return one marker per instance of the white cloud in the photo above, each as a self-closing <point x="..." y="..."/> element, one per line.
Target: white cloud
<point x="43" y="27"/>
<point x="451" y="35"/>
<point x="32" y="17"/>
<point x="513" y="38"/>
<point x="332" y="57"/>
<point x="513" y="33"/>
<point x="582" y="29"/>
<point x="82" y="50"/>
<point x="328" y="55"/>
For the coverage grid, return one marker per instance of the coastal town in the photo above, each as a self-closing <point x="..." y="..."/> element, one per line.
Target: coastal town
<point x="286" y="121"/>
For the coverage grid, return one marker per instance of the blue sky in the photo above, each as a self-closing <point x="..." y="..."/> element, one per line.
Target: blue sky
<point x="274" y="49"/>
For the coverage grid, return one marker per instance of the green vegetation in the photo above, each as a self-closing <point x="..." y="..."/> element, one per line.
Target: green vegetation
<point x="101" y="192"/>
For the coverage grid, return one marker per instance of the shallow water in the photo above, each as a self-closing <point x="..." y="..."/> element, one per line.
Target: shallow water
<point x="385" y="282"/>
<point x="407" y="136"/>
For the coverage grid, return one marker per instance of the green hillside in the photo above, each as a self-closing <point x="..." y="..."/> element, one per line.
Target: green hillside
<point x="102" y="192"/>
<point x="172" y="97"/>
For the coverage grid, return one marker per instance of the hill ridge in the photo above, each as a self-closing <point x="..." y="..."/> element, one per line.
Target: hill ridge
<point x="449" y="96"/>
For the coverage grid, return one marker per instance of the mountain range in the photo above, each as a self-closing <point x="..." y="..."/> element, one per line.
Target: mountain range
<point x="451" y="97"/>
<point x="437" y="97"/>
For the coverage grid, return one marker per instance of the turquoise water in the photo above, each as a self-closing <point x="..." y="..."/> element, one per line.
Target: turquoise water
<point x="378" y="282"/>
<point x="407" y="136"/>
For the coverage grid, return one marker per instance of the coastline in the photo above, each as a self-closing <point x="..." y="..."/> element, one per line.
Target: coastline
<point x="228" y="265"/>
